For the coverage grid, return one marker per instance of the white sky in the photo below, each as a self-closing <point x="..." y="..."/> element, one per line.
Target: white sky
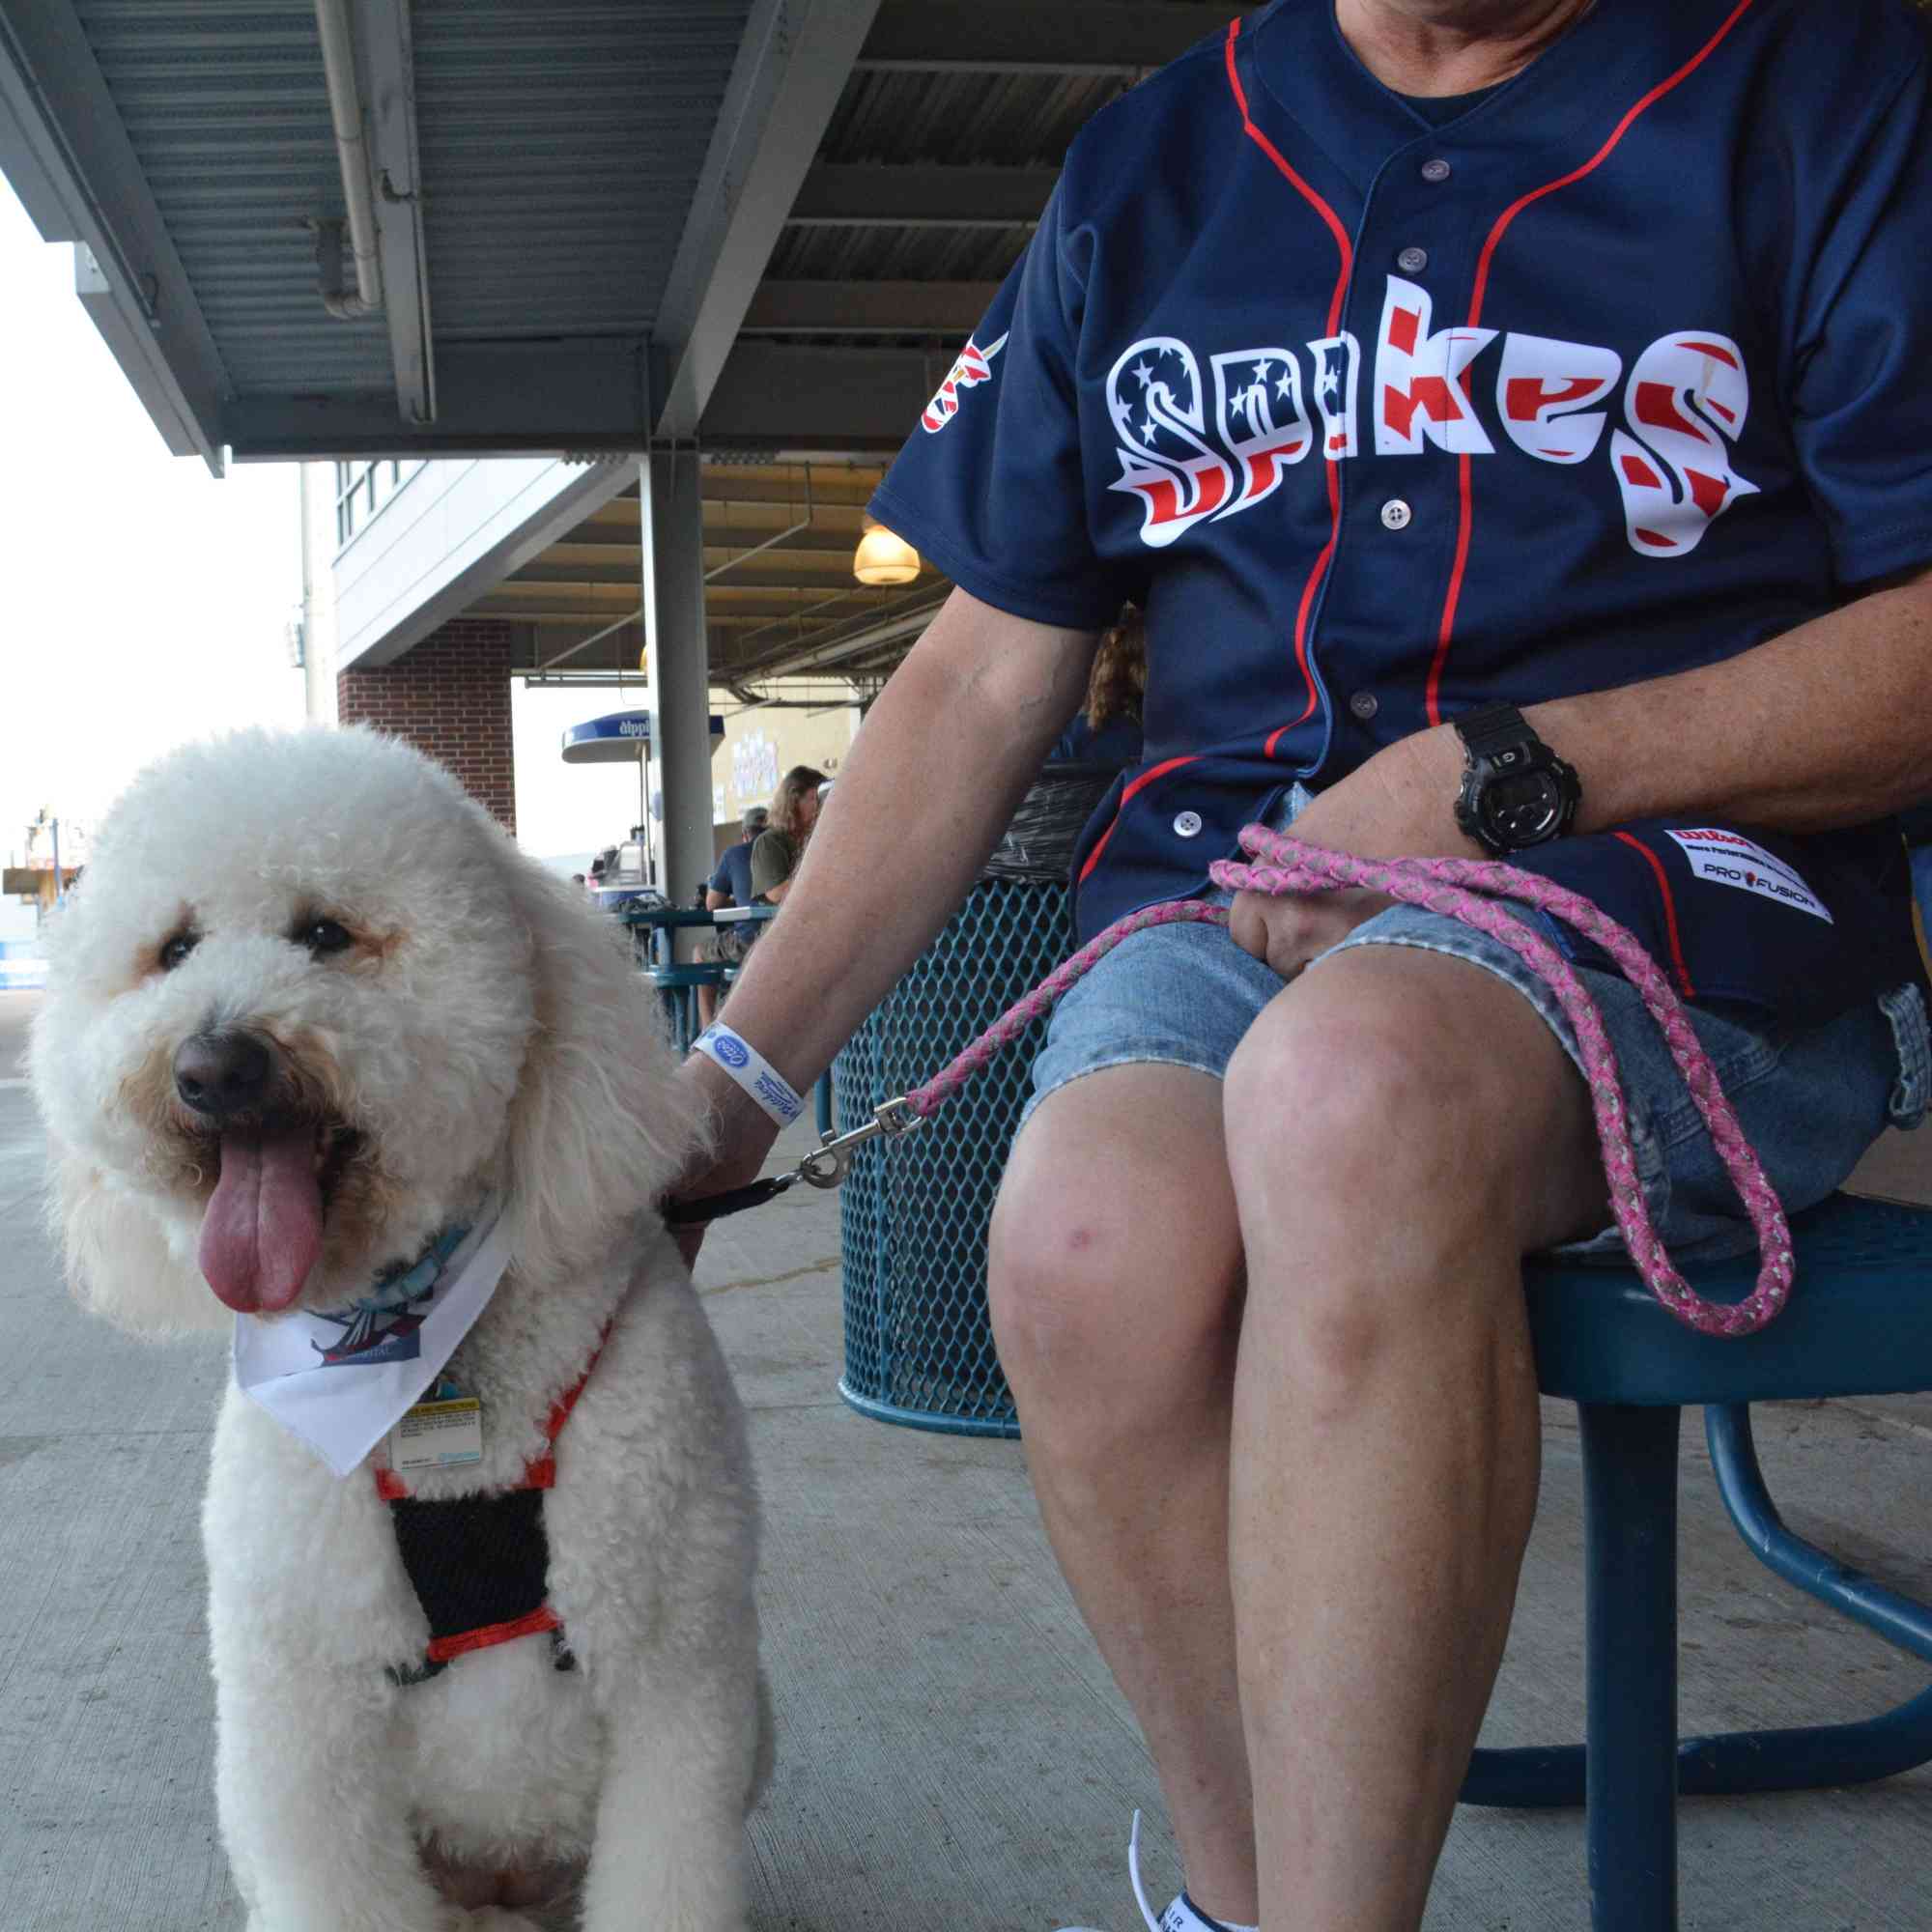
<point x="143" y="604"/>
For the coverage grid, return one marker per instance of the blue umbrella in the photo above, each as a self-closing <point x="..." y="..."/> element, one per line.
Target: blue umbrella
<point x="617" y="738"/>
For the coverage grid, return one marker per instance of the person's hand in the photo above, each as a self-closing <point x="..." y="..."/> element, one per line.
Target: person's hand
<point x="1399" y="803"/>
<point x="740" y="1137"/>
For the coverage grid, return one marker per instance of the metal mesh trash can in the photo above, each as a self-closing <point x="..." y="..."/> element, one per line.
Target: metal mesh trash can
<point x="914" y="1212"/>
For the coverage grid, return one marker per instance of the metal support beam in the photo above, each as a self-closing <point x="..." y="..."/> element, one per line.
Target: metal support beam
<point x="64" y="149"/>
<point x="585" y="397"/>
<point x="676" y="667"/>
<point x="855" y="196"/>
<point x="905" y="620"/>
<point x="778" y="396"/>
<point x="389" y="105"/>
<point x="791" y="70"/>
<point x="950" y="309"/>
<point x="1094" y="38"/>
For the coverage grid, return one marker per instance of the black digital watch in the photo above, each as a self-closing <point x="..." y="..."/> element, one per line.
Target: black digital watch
<point x="1516" y="791"/>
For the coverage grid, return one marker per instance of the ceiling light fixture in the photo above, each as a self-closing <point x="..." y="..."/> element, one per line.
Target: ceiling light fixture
<point x="884" y="557"/>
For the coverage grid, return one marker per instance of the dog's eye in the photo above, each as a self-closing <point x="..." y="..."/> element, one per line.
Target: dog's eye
<point x="174" y="950"/>
<point x="324" y="935"/>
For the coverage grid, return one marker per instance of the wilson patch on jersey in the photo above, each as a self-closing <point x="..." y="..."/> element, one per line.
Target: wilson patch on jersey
<point x="1729" y="858"/>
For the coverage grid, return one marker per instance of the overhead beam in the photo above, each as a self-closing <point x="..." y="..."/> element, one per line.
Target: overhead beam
<point x="384" y="51"/>
<point x="724" y="601"/>
<point x="867" y="308"/>
<point x="791" y="68"/>
<point x="835" y="530"/>
<point x="732" y="567"/>
<point x="1098" y="38"/>
<point x="67" y="155"/>
<point x="898" y="625"/>
<point x="858" y="196"/>
<point x="583" y="397"/>
<point x="844" y="484"/>
<point x="803" y="397"/>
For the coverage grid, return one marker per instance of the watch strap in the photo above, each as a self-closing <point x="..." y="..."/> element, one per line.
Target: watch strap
<point x="1493" y="728"/>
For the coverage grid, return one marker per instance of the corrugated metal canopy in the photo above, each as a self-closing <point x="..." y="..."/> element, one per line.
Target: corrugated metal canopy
<point x="561" y="146"/>
<point x="756" y="225"/>
<point x="580" y="206"/>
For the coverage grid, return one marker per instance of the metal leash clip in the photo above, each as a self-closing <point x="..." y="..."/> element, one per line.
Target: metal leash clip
<point x="828" y="1165"/>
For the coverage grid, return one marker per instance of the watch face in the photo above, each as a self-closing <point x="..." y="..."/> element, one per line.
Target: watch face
<point x="1522" y="810"/>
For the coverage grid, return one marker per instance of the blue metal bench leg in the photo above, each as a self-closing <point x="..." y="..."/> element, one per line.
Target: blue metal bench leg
<point x="1625" y="1691"/>
<point x="1630" y="1528"/>
<point x="1627" y="1771"/>
<point x="1802" y="1759"/>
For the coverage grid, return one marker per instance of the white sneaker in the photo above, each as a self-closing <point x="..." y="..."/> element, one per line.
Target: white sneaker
<point x="1181" y="1914"/>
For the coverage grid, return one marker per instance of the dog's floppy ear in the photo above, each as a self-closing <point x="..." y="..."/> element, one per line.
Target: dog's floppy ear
<point x="600" y="1125"/>
<point x="119" y="1264"/>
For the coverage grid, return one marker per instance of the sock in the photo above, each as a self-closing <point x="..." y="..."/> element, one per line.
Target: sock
<point x="1176" y="1923"/>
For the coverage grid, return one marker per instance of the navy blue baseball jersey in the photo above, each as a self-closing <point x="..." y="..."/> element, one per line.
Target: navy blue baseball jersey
<point x="1619" y="370"/>
<point x="733" y="873"/>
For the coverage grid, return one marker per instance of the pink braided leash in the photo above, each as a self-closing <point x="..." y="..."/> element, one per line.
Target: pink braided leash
<point x="1453" y="886"/>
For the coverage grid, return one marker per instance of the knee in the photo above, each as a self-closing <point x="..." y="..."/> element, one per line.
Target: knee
<point x="1113" y="1277"/>
<point x="1346" y="1097"/>
<point x="1368" y="1184"/>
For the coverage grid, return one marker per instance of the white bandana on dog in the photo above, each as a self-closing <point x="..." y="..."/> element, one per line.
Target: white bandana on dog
<point x="341" y="1380"/>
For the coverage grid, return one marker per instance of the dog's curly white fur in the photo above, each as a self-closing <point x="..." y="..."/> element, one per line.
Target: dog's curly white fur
<point x="479" y="1026"/>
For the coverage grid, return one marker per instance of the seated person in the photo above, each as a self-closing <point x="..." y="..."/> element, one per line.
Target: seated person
<point x="731" y="884"/>
<point x="1106" y="731"/>
<point x="778" y="851"/>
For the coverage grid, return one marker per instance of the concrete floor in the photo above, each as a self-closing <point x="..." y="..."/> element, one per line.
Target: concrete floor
<point x="952" y="1751"/>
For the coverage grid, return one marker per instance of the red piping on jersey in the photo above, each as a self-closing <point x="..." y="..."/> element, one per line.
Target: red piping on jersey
<point x="1342" y="243"/>
<point x="1434" y="687"/>
<point x="1670" y="909"/>
<point x="1147" y="778"/>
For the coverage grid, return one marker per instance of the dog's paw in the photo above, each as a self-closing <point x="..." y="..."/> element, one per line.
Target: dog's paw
<point x="494" y="1918"/>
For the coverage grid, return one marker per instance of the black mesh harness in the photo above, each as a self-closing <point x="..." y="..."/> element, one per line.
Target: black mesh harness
<point x="480" y="1564"/>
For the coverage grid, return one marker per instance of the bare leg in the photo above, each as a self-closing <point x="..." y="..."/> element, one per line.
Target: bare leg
<point x="1115" y="1286"/>
<point x="1401" y="1128"/>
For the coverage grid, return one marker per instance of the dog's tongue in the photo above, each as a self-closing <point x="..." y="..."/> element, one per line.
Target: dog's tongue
<point x="262" y="1231"/>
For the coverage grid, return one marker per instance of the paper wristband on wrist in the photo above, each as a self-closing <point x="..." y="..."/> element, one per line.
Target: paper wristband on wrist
<point x="751" y="1070"/>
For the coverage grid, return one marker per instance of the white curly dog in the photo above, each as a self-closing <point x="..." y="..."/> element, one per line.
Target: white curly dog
<point x="308" y="1009"/>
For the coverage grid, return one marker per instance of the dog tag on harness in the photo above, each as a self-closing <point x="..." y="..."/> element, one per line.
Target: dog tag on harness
<point x="437" y="1435"/>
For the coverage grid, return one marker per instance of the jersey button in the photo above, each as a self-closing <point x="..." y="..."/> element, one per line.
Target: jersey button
<point x="1396" y="514"/>
<point x="1435" y="169"/>
<point x="1364" y="704"/>
<point x="1412" y="260"/>
<point x="1186" y="824"/>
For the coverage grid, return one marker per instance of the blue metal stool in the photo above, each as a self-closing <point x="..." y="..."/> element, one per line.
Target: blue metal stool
<point x="677" y="987"/>
<point x="1858" y="1322"/>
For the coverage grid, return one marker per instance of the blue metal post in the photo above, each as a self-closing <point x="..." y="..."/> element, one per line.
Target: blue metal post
<point x="1629" y="1522"/>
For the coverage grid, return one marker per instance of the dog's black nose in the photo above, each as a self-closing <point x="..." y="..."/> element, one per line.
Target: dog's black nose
<point x="222" y="1074"/>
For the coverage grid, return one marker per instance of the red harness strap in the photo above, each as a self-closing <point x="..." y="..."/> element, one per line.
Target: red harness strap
<point x="540" y="1471"/>
<point x="468" y="1550"/>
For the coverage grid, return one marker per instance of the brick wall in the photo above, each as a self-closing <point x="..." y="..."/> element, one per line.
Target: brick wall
<point x="450" y="698"/>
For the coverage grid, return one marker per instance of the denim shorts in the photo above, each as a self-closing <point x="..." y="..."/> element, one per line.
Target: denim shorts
<point x="1811" y="1101"/>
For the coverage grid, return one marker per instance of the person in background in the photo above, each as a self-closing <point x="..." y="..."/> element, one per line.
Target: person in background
<point x="731" y="884"/>
<point x="1107" y="729"/>
<point x="778" y="850"/>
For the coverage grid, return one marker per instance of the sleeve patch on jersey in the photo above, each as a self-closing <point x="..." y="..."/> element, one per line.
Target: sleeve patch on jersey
<point x="1728" y="859"/>
<point x="974" y="367"/>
